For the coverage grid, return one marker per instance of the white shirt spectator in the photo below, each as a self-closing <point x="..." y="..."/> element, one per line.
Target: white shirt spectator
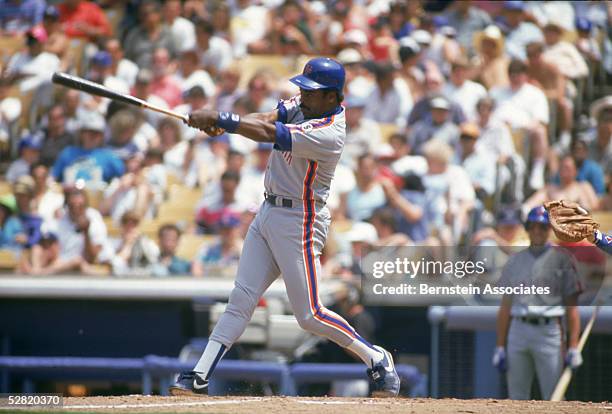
<point x="10" y="110"/>
<point x="560" y="12"/>
<point x="521" y="108"/>
<point x="183" y="34"/>
<point x="480" y="167"/>
<point x="247" y="26"/>
<point x="567" y="59"/>
<point x="393" y="107"/>
<point x="127" y="71"/>
<point x="466" y="96"/>
<point x="72" y="243"/>
<point x="520" y="37"/>
<point x="495" y="138"/>
<point x="218" y="55"/>
<point x="49" y="204"/>
<point x="198" y="78"/>
<point x="363" y="139"/>
<point x="41" y="67"/>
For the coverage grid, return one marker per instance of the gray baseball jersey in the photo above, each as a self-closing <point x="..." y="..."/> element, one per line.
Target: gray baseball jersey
<point x="289" y="240"/>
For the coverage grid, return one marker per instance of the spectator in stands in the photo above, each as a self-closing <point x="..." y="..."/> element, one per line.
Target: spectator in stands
<point x="121" y="67"/>
<point x="195" y="98"/>
<point x="44" y="259"/>
<point x="467" y="20"/>
<point x="10" y="110"/>
<point x="163" y="83"/>
<point x="476" y="161"/>
<point x="549" y="78"/>
<point x="438" y="126"/>
<point x="74" y="112"/>
<point x="368" y="195"/>
<point x="11" y="230"/>
<point x="411" y="71"/>
<point x="211" y="209"/>
<point x="18" y="17"/>
<point x="100" y="71"/>
<point x="89" y="160"/>
<point x="390" y="102"/>
<point x="132" y="192"/>
<point x="191" y="75"/>
<point x="228" y="91"/>
<point x="563" y="54"/>
<point x="588" y="169"/>
<point x="248" y="26"/>
<point x="143" y="89"/>
<point x="169" y="264"/>
<point x="34" y="65"/>
<point x="525" y="107"/>
<point x="519" y="32"/>
<point x="83" y="19"/>
<point x="567" y="189"/>
<point x="258" y="97"/>
<point x="385" y="222"/>
<point x="600" y="138"/>
<point x="462" y="91"/>
<point x="182" y="30"/>
<point x="29" y="153"/>
<point x="47" y="200"/>
<point x="173" y="147"/>
<point x="148" y="36"/>
<point x="81" y="233"/>
<point x="494" y="135"/>
<point x="362" y="134"/>
<point x="55" y="136"/>
<point x="135" y="253"/>
<point x="251" y="187"/>
<point x="214" y="52"/>
<point x="23" y="189"/>
<point x="222" y="256"/>
<point x="491" y="63"/>
<point x="409" y="208"/>
<point x="291" y="33"/>
<point x="58" y="42"/>
<point x="434" y="81"/>
<point x="586" y="43"/>
<point x="448" y="191"/>
<point x="495" y="244"/>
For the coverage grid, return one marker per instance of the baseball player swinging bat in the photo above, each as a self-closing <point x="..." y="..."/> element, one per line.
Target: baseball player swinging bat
<point x="93" y="88"/>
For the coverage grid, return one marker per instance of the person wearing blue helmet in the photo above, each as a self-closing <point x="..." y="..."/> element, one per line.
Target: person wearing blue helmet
<point x="543" y="286"/>
<point x="289" y="231"/>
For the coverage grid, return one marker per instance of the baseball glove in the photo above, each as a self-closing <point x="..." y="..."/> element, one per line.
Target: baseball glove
<point x="570" y="222"/>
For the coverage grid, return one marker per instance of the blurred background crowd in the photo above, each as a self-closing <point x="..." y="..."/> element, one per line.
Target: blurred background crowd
<point x="461" y="116"/>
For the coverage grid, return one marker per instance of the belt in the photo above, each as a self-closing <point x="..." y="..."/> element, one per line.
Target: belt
<point x="537" y="320"/>
<point x="278" y="200"/>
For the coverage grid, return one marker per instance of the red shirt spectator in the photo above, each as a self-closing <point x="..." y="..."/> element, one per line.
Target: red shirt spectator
<point x="83" y="19"/>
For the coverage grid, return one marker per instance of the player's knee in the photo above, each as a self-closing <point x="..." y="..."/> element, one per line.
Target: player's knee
<point x="310" y="324"/>
<point x="241" y="303"/>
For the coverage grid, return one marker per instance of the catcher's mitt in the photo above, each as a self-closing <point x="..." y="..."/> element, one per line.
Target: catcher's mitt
<point x="570" y="222"/>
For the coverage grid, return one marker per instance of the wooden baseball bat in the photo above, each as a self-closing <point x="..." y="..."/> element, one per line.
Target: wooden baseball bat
<point x="93" y="88"/>
<point x="566" y="376"/>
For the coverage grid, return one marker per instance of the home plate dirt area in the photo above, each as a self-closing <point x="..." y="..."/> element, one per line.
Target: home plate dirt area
<point x="321" y="405"/>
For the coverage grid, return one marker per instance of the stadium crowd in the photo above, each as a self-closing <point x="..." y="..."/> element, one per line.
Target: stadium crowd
<point x="461" y="116"/>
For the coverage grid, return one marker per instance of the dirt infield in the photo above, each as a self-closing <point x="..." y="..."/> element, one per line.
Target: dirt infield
<point x="271" y="405"/>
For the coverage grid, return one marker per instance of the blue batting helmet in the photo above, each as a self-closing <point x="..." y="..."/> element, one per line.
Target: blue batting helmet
<point x="537" y="215"/>
<point x="321" y="73"/>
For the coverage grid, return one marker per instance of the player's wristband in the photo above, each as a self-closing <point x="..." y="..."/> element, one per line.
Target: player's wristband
<point x="228" y="121"/>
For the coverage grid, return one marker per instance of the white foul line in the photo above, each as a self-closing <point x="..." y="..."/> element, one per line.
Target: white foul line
<point x="156" y="405"/>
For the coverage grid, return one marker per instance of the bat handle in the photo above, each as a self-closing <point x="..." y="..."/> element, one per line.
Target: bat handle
<point x="174" y="114"/>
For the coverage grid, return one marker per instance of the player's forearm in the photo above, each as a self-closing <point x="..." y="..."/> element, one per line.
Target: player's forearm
<point x="503" y="322"/>
<point x="573" y="326"/>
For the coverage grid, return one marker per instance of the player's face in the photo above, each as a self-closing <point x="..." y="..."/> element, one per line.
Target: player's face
<point x="538" y="233"/>
<point x="316" y="102"/>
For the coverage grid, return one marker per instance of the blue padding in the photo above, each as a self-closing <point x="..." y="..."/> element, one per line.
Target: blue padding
<point x="17" y="363"/>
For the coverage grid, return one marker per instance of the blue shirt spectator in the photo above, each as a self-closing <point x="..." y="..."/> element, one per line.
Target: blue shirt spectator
<point x="10" y="226"/>
<point x="20" y="16"/>
<point x="89" y="161"/>
<point x="30" y="222"/>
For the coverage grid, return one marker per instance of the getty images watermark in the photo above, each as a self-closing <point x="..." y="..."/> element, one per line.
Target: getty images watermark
<point x="423" y="276"/>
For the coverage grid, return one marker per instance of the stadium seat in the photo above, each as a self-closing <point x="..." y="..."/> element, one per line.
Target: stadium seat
<point x="386" y="130"/>
<point x="111" y="228"/>
<point x="282" y="67"/>
<point x="8" y="259"/>
<point x="190" y="244"/>
<point x="5" y="187"/>
<point x="9" y="45"/>
<point x="604" y="218"/>
<point x="180" y="206"/>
